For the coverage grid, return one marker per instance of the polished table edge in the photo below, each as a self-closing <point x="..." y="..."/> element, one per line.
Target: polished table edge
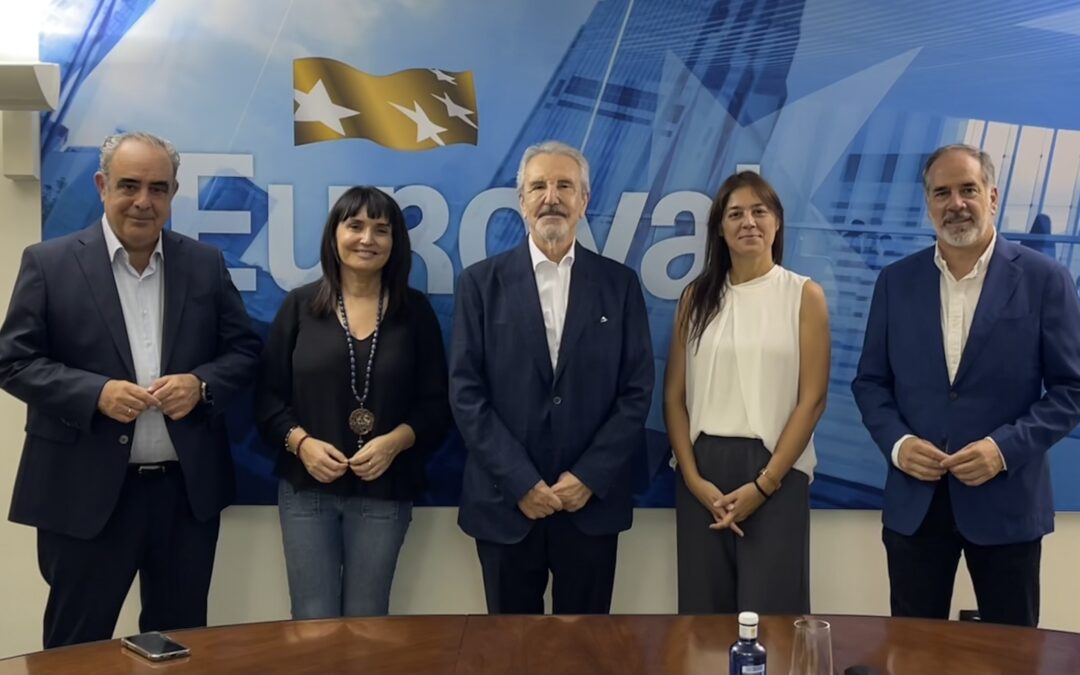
<point x="511" y="643"/>
<point x="944" y="622"/>
<point x="179" y="632"/>
<point x="540" y="617"/>
<point x="826" y="617"/>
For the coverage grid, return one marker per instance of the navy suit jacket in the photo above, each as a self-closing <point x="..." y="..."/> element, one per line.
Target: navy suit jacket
<point x="523" y="422"/>
<point x="64" y="337"/>
<point x="1018" y="382"/>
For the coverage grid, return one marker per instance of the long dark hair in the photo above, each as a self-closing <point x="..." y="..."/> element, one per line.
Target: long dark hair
<point x="395" y="274"/>
<point x="705" y="294"/>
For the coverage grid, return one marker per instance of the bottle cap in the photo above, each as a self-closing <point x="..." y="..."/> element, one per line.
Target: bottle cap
<point x="748" y="618"/>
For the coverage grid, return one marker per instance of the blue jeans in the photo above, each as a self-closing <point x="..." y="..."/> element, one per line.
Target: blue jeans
<point x="340" y="551"/>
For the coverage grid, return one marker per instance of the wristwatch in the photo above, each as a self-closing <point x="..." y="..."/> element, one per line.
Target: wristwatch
<point x="204" y="393"/>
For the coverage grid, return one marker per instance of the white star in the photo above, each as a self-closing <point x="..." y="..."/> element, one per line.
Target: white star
<point x="455" y="110"/>
<point x="425" y="128"/>
<point x="442" y="77"/>
<point x="316" y="106"/>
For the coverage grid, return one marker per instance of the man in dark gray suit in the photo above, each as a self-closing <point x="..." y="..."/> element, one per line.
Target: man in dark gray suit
<point x="551" y="376"/>
<point x="126" y="341"/>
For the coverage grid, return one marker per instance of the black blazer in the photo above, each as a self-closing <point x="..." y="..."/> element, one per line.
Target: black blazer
<point x="64" y="337"/>
<point x="304" y="380"/>
<point x="522" y="421"/>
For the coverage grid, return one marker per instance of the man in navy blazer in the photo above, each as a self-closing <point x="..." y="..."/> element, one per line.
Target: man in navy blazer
<point x="551" y="377"/>
<point x="970" y="371"/>
<point x="125" y="341"/>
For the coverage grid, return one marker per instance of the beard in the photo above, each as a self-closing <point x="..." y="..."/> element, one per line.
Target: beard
<point x="553" y="233"/>
<point x="552" y="230"/>
<point x="962" y="234"/>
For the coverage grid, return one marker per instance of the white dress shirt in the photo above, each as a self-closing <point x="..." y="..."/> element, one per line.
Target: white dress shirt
<point x="553" y="285"/>
<point x="142" y="298"/>
<point x="959" y="298"/>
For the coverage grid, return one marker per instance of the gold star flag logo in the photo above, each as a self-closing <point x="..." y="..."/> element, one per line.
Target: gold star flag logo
<point x="415" y="109"/>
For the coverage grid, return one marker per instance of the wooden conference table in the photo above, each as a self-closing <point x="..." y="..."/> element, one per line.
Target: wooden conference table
<point x="570" y="644"/>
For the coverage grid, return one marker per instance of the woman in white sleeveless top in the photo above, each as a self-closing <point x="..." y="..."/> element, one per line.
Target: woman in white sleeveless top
<point x="745" y="385"/>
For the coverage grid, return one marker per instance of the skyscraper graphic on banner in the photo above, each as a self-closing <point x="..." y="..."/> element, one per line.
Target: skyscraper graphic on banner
<point x="415" y="109"/>
<point x="665" y="99"/>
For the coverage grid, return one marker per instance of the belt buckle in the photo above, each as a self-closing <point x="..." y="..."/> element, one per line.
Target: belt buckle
<point x="150" y="468"/>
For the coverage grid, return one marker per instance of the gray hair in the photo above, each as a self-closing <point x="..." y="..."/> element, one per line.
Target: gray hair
<point x="114" y="141"/>
<point x="554" y="148"/>
<point x="983" y="158"/>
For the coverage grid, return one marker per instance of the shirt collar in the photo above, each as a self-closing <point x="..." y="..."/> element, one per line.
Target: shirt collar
<point x="114" y="247"/>
<point x="538" y="257"/>
<point x="980" y="265"/>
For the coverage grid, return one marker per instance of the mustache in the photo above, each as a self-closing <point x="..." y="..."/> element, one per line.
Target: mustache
<point x="957" y="217"/>
<point x="551" y="211"/>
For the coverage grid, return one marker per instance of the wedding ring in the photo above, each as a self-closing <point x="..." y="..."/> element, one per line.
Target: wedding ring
<point x="131" y="411"/>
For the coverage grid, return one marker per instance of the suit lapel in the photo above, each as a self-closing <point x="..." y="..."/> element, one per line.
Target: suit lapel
<point x="174" y="257"/>
<point x="93" y="259"/>
<point x="520" y="282"/>
<point x="579" y="306"/>
<point x="1002" y="276"/>
<point x="925" y="307"/>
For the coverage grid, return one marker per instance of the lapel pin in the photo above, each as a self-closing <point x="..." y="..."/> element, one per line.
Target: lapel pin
<point x="603" y="319"/>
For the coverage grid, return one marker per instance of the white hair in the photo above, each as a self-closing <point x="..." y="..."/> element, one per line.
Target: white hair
<point x="554" y="148"/>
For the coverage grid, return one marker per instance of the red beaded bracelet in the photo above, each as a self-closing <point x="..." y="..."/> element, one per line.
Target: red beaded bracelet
<point x="301" y="442"/>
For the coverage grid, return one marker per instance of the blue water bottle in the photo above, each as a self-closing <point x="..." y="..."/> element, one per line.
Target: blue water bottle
<point x="747" y="654"/>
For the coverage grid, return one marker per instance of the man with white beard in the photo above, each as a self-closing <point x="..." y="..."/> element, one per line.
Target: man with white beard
<point x="970" y="371"/>
<point x="551" y="376"/>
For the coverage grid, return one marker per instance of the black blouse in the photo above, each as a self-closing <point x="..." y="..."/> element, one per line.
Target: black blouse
<point x="304" y="380"/>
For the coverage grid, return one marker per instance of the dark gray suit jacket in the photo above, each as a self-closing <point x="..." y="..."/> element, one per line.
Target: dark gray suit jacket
<point x="521" y="420"/>
<point x="64" y="337"/>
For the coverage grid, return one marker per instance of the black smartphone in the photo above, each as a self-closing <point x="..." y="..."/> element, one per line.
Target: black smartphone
<point x="155" y="646"/>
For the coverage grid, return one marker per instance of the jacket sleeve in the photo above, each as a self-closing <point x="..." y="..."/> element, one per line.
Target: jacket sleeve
<point x="27" y="370"/>
<point x="274" y="414"/>
<point x="429" y="416"/>
<point x="1058" y="411"/>
<point x="237" y="344"/>
<point x="874" y="381"/>
<point x="485" y="434"/>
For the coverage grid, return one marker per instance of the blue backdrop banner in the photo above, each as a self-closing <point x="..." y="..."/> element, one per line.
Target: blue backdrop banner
<point x="277" y="106"/>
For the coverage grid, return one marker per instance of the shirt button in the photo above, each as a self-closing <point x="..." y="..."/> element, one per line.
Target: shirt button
<point x="953" y="395"/>
<point x="557" y="400"/>
<point x="124" y="439"/>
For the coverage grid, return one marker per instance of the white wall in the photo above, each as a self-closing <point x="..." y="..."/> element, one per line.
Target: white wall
<point x="438" y="572"/>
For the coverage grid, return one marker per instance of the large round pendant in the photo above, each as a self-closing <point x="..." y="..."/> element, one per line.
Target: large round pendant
<point x="361" y="421"/>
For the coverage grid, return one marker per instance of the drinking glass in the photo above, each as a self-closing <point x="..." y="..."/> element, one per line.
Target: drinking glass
<point x="811" y="650"/>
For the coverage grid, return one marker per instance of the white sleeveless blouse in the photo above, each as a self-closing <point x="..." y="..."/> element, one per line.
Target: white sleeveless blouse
<point x="743" y="379"/>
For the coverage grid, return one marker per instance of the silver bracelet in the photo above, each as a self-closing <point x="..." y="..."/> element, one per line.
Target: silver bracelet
<point x="287" y="434"/>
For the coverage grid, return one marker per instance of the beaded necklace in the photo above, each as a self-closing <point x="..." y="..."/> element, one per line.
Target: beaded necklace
<point x="361" y="419"/>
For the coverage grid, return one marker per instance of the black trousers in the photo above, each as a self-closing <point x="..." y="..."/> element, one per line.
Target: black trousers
<point x="152" y="532"/>
<point x="922" y="570"/>
<point x="582" y="570"/>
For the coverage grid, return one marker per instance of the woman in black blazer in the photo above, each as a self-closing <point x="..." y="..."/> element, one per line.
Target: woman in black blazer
<point x="353" y="393"/>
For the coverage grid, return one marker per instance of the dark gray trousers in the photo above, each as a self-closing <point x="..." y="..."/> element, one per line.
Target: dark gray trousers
<point x="768" y="570"/>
